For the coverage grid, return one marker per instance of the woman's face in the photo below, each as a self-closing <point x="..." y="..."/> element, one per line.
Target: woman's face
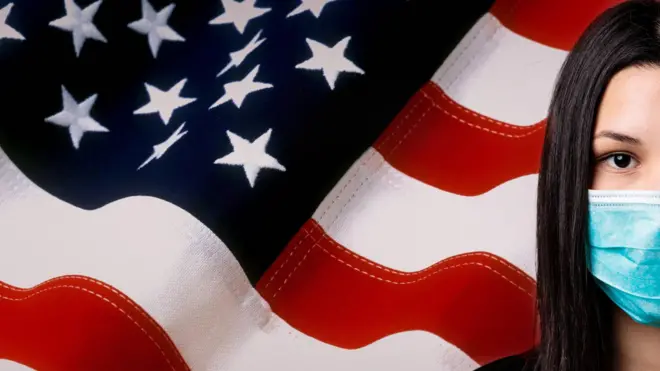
<point x="626" y="141"/>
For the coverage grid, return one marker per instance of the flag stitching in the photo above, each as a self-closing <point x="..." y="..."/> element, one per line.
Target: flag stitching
<point x="403" y="138"/>
<point x="499" y="26"/>
<point x="114" y="291"/>
<point x="465" y="47"/>
<point x="444" y="96"/>
<point x="441" y="269"/>
<point x="357" y="169"/>
<point x="367" y="179"/>
<point x="473" y="125"/>
<point x="272" y="277"/>
<point x="381" y="267"/>
<point x="496" y="31"/>
<point x="430" y="274"/>
<point x="297" y="265"/>
<point x="162" y="352"/>
<point x="395" y="133"/>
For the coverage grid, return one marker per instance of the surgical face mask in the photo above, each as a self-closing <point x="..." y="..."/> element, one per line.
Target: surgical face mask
<point x="623" y="252"/>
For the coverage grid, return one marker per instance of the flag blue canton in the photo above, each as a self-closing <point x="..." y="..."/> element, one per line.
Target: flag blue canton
<point x="243" y="113"/>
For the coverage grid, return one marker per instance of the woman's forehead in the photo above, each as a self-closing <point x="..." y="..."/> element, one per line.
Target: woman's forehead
<point x="631" y="103"/>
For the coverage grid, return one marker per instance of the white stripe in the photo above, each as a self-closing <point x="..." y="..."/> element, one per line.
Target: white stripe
<point x="501" y="74"/>
<point x="395" y="220"/>
<point x="284" y="348"/>
<point x="6" y="365"/>
<point x="153" y="251"/>
<point x="186" y="279"/>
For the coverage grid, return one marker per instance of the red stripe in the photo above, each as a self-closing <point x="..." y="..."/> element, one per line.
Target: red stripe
<point x="77" y="323"/>
<point x="477" y="301"/>
<point x="441" y="143"/>
<point x="556" y="23"/>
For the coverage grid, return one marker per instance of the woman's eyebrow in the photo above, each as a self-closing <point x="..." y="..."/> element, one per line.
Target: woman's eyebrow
<point x="619" y="137"/>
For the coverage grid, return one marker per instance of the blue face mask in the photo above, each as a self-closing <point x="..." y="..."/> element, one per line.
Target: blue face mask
<point x="624" y="250"/>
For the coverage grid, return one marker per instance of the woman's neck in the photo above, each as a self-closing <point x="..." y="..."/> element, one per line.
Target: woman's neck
<point x="637" y="346"/>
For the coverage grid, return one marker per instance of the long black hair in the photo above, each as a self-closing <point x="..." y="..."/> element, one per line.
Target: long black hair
<point x="576" y="317"/>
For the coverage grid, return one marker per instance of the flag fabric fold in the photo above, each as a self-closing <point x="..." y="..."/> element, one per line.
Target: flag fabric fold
<point x="448" y="188"/>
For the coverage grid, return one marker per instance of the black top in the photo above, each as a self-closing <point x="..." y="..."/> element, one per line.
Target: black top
<point x="515" y="363"/>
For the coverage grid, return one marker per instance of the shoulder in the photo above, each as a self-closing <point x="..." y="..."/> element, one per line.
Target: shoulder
<point x="515" y="363"/>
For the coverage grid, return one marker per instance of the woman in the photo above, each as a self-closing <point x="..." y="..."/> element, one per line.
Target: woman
<point x="598" y="229"/>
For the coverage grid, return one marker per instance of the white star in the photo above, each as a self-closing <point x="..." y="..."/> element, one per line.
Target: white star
<point x="314" y="6"/>
<point x="6" y="31"/>
<point x="155" y="26"/>
<point x="161" y="148"/>
<point x="76" y="117"/>
<point x="330" y="60"/>
<point x="236" y="91"/>
<point x="80" y="23"/>
<point x="239" y="13"/>
<point x="239" y="56"/>
<point x="164" y="102"/>
<point x="252" y="156"/>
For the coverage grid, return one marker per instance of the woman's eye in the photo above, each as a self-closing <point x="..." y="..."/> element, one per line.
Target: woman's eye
<point x="621" y="161"/>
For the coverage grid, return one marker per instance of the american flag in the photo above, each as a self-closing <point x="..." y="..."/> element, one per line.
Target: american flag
<point x="190" y="184"/>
